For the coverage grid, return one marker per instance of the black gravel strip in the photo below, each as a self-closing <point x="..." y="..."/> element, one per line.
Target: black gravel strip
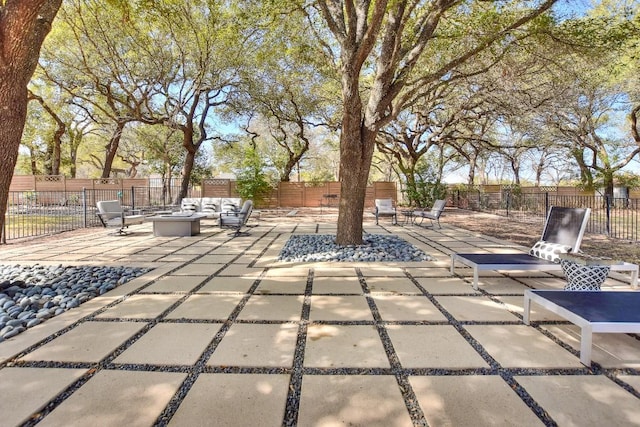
<point x="613" y="377"/>
<point x="529" y="400"/>
<point x="271" y="370"/>
<point x="406" y="390"/>
<point x="348" y="371"/>
<point x="106" y="363"/>
<point x="556" y="339"/>
<point x="297" y="371"/>
<point x="495" y="366"/>
<point x="47" y="364"/>
<point x="458" y="325"/>
<point x="55" y="402"/>
<point x="292" y="407"/>
<point x="93" y="370"/>
<point x="200" y="366"/>
<point x="253" y="263"/>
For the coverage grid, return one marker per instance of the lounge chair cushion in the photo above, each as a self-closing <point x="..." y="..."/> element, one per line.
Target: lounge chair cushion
<point x="549" y="251"/>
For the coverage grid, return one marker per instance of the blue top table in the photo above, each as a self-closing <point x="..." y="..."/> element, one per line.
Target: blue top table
<point x="592" y="311"/>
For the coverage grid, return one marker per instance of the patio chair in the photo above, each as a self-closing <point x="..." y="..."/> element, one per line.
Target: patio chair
<point x="433" y="214"/>
<point x="384" y="207"/>
<point x="111" y="214"/>
<point x="563" y="232"/>
<point x="237" y="219"/>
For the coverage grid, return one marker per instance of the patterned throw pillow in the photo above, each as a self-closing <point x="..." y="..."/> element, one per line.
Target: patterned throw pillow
<point x="549" y="251"/>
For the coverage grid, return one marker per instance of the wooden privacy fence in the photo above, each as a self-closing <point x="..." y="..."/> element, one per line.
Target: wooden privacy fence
<point x="139" y="192"/>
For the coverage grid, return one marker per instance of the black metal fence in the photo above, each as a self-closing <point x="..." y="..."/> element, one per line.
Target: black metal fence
<point x="40" y="213"/>
<point x="32" y="214"/>
<point x="618" y="218"/>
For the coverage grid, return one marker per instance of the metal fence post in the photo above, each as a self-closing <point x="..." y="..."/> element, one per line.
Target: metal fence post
<point x="607" y="201"/>
<point x="84" y="207"/>
<point x="546" y="204"/>
<point x="133" y="198"/>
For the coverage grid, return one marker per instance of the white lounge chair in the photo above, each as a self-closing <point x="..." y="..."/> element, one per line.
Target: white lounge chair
<point x="384" y="207"/>
<point x="563" y="232"/>
<point x="433" y="214"/>
<point x="237" y="219"/>
<point x="111" y="214"/>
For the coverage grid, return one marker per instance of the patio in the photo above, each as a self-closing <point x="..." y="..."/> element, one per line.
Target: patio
<point x="220" y="333"/>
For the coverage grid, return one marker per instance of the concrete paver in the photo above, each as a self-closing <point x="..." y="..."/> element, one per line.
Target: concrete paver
<point x="471" y="401"/>
<point x="393" y="285"/>
<point x="228" y="284"/>
<point x="113" y="398"/>
<point x="476" y="308"/>
<point x="608" y="350"/>
<point x="206" y="307"/>
<point x="522" y="346"/>
<point x="581" y="400"/>
<point x="325" y="307"/>
<point x="26" y="390"/>
<point x="440" y="346"/>
<point x="234" y="400"/>
<point x="282" y="285"/>
<point x="140" y="307"/>
<point x="169" y="284"/>
<point x="343" y="400"/>
<point x="170" y="344"/>
<point x="272" y="307"/>
<point x="329" y="285"/>
<point x="332" y="346"/>
<point x="406" y="307"/>
<point x="256" y="345"/>
<point x="446" y="285"/>
<point x="88" y="342"/>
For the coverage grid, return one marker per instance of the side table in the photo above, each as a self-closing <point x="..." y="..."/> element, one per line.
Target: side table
<point x="585" y="272"/>
<point x="408" y="216"/>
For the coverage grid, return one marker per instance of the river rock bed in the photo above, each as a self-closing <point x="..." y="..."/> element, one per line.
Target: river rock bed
<point x="31" y="294"/>
<point x="375" y="248"/>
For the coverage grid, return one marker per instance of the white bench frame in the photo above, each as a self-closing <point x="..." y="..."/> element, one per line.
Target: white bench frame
<point x="587" y="328"/>
<point x="551" y="266"/>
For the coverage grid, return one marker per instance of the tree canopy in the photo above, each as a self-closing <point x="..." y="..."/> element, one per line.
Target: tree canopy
<point x="413" y="88"/>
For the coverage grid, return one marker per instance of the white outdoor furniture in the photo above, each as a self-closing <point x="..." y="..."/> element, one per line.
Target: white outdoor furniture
<point x="211" y="206"/>
<point x="111" y="214"/>
<point x="592" y="311"/>
<point x="177" y="224"/>
<point x="236" y="220"/>
<point x="433" y="214"/>
<point x="384" y="207"/>
<point x="563" y="232"/>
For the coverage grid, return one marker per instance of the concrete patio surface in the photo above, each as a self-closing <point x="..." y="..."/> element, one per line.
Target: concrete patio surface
<point x="220" y="333"/>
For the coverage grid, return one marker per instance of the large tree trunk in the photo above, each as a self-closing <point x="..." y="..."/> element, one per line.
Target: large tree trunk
<point x="189" y="161"/>
<point x="112" y="149"/>
<point x="356" y="151"/>
<point x="607" y="177"/>
<point x="23" y="27"/>
<point x="13" y="113"/>
<point x="353" y="179"/>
